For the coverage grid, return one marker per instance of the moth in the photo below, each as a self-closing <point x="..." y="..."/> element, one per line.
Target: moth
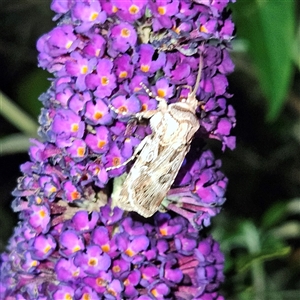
<point x="160" y="155"/>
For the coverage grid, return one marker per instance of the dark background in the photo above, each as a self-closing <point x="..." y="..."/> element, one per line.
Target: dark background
<point x="264" y="170"/>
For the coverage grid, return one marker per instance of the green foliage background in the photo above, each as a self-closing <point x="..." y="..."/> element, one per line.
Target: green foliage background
<point x="259" y="228"/>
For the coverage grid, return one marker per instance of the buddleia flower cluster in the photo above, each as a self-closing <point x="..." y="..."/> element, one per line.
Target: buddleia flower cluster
<point x="70" y="243"/>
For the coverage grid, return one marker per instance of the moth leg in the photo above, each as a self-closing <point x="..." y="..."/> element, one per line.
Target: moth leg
<point x="186" y="87"/>
<point x="136" y="151"/>
<point x="147" y="114"/>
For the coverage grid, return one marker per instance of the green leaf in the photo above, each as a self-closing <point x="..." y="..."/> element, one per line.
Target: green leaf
<point x="288" y="230"/>
<point x="14" y="143"/>
<point x="245" y="262"/>
<point x="269" y="27"/>
<point x="274" y="215"/>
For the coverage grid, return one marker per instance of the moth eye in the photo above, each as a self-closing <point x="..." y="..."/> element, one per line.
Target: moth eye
<point x="164" y="178"/>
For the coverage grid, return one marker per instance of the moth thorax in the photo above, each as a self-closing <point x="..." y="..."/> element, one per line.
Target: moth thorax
<point x="192" y="101"/>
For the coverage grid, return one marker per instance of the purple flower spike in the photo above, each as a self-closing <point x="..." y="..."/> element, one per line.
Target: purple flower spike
<point x="73" y="241"/>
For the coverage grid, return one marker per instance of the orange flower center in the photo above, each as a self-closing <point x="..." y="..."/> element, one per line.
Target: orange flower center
<point x="92" y="262"/>
<point x="163" y="231"/>
<point x="144" y="107"/>
<point x="75" y="249"/>
<point x="105" y="248"/>
<point x="101" y="144"/>
<point x="129" y="252"/>
<point x="125" y="32"/>
<point x="80" y="151"/>
<point x="84" y="69"/>
<point x="154" y="292"/>
<point x="100" y="282"/>
<point x="38" y="200"/>
<point x="116" y="269"/>
<point x="42" y="213"/>
<point x="98" y="115"/>
<point x="68" y="297"/>
<point x="94" y="16"/>
<point x="47" y="249"/>
<point x="75" y="195"/>
<point x="116" y="161"/>
<point x="104" y="80"/>
<point x="122" y="109"/>
<point x="133" y="9"/>
<point x="123" y="74"/>
<point x="145" y="68"/>
<point x="161" y="10"/>
<point x="203" y="29"/>
<point x="69" y="44"/>
<point x="112" y="292"/>
<point x="86" y="297"/>
<point x="161" y="93"/>
<point x="74" y="127"/>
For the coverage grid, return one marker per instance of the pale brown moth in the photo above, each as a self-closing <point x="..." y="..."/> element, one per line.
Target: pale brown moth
<point x="160" y="155"/>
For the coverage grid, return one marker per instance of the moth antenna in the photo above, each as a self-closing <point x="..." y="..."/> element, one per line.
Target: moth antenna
<point x="116" y="110"/>
<point x="147" y="90"/>
<point x="150" y="94"/>
<point x="198" y="76"/>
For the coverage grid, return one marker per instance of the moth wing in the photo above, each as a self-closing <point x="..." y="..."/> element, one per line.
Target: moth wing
<point x="147" y="155"/>
<point x="149" y="190"/>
